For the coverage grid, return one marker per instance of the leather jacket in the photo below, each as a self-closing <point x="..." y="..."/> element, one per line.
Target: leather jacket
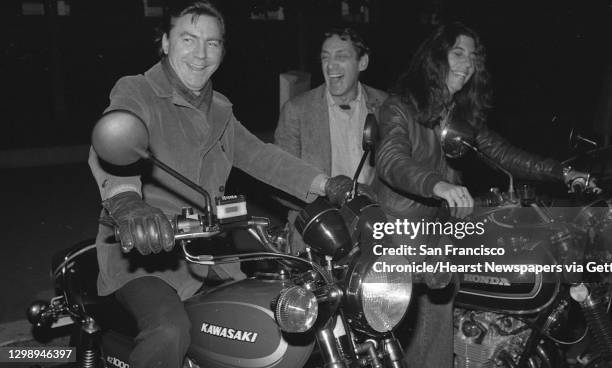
<point x="410" y="161"/>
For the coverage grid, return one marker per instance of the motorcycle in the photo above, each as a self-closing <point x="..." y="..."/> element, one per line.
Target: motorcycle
<point x="560" y="317"/>
<point x="327" y="307"/>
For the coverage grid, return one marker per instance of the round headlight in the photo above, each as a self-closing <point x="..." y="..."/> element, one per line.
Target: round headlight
<point x="378" y="293"/>
<point x="323" y="229"/>
<point x="296" y="309"/>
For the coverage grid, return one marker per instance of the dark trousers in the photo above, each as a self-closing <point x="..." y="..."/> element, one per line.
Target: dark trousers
<point x="162" y="321"/>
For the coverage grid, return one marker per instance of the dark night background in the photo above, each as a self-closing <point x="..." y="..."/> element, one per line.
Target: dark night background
<point x="548" y="60"/>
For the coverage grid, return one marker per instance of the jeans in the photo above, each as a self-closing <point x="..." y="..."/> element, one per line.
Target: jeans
<point x="427" y="331"/>
<point x="162" y="321"/>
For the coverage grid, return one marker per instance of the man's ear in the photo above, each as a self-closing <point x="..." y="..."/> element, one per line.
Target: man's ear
<point x="363" y="62"/>
<point x="165" y="44"/>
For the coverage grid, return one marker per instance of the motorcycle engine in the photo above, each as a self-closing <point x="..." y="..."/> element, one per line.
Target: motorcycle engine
<point x="487" y="339"/>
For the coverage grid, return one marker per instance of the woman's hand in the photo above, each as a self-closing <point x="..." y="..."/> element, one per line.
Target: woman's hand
<point x="459" y="200"/>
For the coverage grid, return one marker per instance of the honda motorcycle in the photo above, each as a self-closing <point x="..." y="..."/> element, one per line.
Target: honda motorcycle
<point x="327" y="307"/>
<point x="523" y="318"/>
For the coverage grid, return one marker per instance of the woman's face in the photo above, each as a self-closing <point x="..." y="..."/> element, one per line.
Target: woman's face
<point x="461" y="62"/>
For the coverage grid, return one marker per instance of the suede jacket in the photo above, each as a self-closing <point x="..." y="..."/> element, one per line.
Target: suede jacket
<point x="410" y="161"/>
<point x="201" y="145"/>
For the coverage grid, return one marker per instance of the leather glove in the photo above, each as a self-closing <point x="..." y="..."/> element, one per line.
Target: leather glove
<point x="139" y="224"/>
<point x="339" y="187"/>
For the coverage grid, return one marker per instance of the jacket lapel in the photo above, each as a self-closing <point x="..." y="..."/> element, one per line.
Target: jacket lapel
<point x="321" y="139"/>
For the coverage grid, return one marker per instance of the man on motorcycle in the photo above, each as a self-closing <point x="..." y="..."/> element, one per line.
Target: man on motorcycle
<point x="324" y="126"/>
<point x="192" y="127"/>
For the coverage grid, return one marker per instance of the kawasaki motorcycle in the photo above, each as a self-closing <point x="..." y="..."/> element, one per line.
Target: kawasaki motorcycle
<point x="326" y="307"/>
<point x="524" y="317"/>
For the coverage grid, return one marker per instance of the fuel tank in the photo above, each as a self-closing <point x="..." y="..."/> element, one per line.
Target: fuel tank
<point x="499" y="285"/>
<point x="233" y="326"/>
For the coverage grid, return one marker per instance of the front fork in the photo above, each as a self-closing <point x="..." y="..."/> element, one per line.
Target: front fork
<point x="340" y="350"/>
<point x="593" y="303"/>
<point x="88" y="349"/>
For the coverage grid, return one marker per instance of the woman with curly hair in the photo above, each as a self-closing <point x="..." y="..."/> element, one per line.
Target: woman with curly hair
<point x="446" y="82"/>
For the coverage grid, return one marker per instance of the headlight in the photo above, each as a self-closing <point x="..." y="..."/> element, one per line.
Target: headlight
<point x="323" y="229"/>
<point x="378" y="293"/>
<point x="296" y="309"/>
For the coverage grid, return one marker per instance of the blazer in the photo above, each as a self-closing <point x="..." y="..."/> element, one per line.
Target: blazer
<point x="303" y="125"/>
<point x="303" y="131"/>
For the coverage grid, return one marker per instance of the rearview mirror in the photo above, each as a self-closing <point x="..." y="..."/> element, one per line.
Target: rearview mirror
<point x="456" y="138"/>
<point x="120" y="138"/>
<point x="370" y="133"/>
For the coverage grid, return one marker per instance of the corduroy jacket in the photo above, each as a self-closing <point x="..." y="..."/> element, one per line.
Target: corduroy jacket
<point x="201" y="145"/>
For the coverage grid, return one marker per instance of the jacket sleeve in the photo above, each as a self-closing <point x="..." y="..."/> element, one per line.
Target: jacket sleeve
<point x="109" y="184"/>
<point x="395" y="164"/>
<point x="287" y="134"/>
<point x="516" y="160"/>
<point x="124" y="96"/>
<point x="273" y="166"/>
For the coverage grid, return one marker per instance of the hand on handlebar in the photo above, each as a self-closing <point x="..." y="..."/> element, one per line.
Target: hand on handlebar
<point x="139" y="225"/>
<point x="457" y="197"/>
<point x="339" y="187"/>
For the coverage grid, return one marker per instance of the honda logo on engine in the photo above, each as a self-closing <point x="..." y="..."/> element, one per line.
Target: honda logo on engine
<point x="228" y="333"/>
<point x="481" y="279"/>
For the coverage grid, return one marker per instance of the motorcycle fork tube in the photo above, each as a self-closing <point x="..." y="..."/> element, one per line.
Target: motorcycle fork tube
<point x="393" y="352"/>
<point x="332" y="357"/>
<point x="369" y="347"/>
<point x="89" y="346"/>
<point x="346" y="342"/>
<point x="599" y="324"/>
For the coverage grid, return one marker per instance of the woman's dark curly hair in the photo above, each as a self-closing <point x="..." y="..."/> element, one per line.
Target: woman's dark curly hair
<point x="424" y="82"/>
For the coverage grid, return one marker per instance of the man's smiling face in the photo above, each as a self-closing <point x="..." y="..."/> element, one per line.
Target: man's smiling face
<point x="341" y="67"/>
<point x="194" y="48"/>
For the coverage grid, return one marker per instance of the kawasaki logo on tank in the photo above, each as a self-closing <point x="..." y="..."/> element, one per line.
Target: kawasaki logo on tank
<point x="229" y="333"/>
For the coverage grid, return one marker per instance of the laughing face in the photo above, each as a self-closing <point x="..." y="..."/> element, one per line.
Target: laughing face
<point x="194" y="48"/>
<point x="341" y="66"/>
<point x="461" y="63"/>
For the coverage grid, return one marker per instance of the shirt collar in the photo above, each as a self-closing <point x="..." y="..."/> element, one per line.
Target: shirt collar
<point x="353" y="103"/>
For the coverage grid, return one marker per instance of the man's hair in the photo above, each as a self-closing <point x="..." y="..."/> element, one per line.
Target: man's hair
<point x="177" y="9"/>
<point x="349" y="34"/>
<point x="424" y="82"/>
